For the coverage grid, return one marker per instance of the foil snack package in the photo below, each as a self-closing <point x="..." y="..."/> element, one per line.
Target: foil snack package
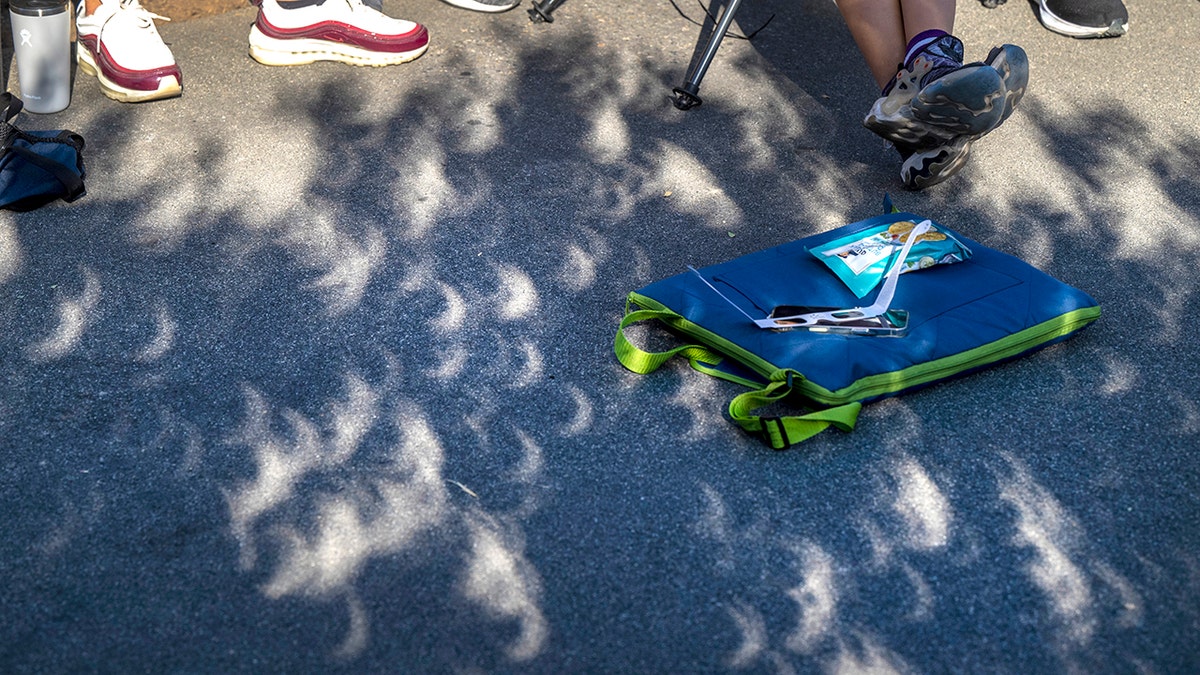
<point x="862" y="259"/>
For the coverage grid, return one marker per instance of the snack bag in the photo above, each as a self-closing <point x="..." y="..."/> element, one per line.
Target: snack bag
<point x="862" y="259"/>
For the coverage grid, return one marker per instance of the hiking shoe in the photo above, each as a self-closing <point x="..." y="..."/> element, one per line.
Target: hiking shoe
<point x="1009" y="61"/>
<point x="1012" y="64"/>
<point x="965" y="101"/>
<point x="334" y="30"/>
<point x="935" y="98"/>
<point x="927" y="165"/>
<point x="1085" y="18"/>
<point x="485" y="5"/>
<point x="924" y="167"/>
<point x="121" y="47"/>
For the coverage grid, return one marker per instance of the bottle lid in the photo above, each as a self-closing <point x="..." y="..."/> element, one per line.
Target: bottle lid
<point x="38" y="7"/>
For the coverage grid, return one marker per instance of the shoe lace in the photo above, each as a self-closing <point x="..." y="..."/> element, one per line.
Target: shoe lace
<point x="143" y="16"/>
<point x="947" y="57"/>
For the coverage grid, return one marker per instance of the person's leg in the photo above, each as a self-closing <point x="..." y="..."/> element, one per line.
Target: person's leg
<point x="932" y="107"/>
<point x="934" y="96"/>
<point x="925" y="15"/>
<point x="878" y="30"/>
<point x="883" y="30"/>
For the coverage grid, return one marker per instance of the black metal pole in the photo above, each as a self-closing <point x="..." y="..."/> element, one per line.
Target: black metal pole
<point x="543" y="10"/>
<point x="687" y="95"/>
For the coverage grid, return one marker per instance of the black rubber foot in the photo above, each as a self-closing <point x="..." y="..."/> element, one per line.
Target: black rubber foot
<point x="686" y="99"/>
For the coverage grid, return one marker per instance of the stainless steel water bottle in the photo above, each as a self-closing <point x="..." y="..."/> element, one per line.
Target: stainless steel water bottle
<point x="41" y="31"/>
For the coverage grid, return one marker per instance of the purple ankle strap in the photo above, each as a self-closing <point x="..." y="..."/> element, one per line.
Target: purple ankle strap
<point x="919" y="42"/>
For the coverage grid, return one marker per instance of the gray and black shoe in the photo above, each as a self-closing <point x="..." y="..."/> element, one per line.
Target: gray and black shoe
<point x="1013" y="65"/>
<point x="936" y="97"/>
<point x="926" y="165"/>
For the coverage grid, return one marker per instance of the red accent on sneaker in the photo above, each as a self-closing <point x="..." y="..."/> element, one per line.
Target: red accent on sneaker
<point x="336" y="31"/>
<point x="137" y="80"/>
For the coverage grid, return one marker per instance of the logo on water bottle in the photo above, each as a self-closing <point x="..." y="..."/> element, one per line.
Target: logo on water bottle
<point x="25" y="35"/>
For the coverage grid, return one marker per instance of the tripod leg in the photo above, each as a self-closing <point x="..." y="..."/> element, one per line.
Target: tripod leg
<point x="543" y="10"/>
<point x="687" y="95"/>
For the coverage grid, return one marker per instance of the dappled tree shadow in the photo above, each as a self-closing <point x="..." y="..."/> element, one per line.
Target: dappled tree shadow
<point x="340" y="391"/>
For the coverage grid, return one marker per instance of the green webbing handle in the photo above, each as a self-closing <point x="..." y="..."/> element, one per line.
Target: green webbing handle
<point x="779" y="432"/>
<point x="642" y="362"/>
<point x="783" y="432"/>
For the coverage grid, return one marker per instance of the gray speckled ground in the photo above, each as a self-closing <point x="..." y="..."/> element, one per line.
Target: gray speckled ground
<point x="318" y="376"/>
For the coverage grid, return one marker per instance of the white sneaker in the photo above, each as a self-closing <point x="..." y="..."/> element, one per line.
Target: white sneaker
<point x="334" y="30"/>
<point x="485" y="5"/>
<point x="119" y="44"/>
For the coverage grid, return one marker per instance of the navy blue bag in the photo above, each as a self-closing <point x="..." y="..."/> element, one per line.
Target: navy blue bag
<point x="961" y="318"/>
<point x="37" y="167"/>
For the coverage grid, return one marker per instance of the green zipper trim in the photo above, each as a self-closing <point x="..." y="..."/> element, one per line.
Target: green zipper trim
<point x="998" y="350"/>
<point x="874" y="386"/>
<point x="678" y="322"/>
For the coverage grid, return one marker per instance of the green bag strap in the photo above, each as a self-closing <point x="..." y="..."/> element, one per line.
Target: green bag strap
<point x="642" y="362"/>
<point x="779" y="432"/>
<point x="783" y="432"/>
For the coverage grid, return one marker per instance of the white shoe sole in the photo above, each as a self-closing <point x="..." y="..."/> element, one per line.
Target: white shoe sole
<point x="275" y="52"/>
<point x="168" y="87"/>
<point x="1063" y="27"/>
<point x="480" y="7"/>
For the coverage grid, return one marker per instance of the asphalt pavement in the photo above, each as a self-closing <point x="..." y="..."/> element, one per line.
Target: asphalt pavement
<point x="318" y="376"/>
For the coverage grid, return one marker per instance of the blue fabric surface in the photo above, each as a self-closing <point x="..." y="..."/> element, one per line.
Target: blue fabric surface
<point x="27" y="183"/>
<point x="952" y="308"/>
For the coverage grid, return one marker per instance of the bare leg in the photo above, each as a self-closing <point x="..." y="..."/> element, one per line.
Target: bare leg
<point x="882" y="29"/>
<point x="878" y="30"/>
<point x="89" y="6"/>
<point x="922" y="15"/>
